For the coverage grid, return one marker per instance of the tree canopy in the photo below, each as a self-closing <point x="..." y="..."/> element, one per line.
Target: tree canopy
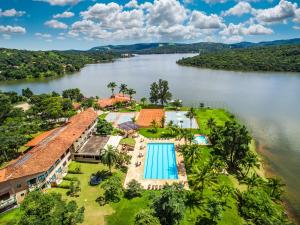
<point x="272" y="58"/>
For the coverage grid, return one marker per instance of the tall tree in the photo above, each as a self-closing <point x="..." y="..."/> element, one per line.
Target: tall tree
<point x="74" y="94"/>
<point x="163" y="92"/>
<point x="123" y="89"/>
<point x="110" y="156"/>
<point x="253" y="181"/>
<point x="131" y="92"/>
<point x="248" y="162"/>
<point x="191" y="115"/>
<point x="27" y="93"/>
<point x="143" y="101"/>
<point x="232" y="142"/>
<point x="112" y="86"/>
<point x="146" y="217"/>
<point x="192" y="153"/>
<point x="169" y="206"/>
<point x="211" y="123"/>
<point x="47" y="209"/>
<point x="154" y="97"/>
<point x="203" y="175"/>
<point x="275" y="187"/>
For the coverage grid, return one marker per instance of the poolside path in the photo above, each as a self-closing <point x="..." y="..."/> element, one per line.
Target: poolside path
<point x="137" y="172"/>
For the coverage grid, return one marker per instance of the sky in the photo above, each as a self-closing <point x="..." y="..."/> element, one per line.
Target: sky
<point x="83" y="24"/>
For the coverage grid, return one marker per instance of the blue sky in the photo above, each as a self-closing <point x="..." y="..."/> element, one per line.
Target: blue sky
<point x="82" y="24"/>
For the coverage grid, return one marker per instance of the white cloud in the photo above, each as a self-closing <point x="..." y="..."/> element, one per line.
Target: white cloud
<point x="61" y="38"/>
<point x="240" y="29"/>
<point x="6" y="36"/>
<point x="165" y="13"/>
<point x="11" y="13"/>
<point x="61" y="2"/>
<point x="102" y="11"/>
<point x="297" y="16"/>
<point x="239" y="9"/>
<point x="12" y="29"/>
<point x="296" y="27"/>
<point x="201" y="21"/>
<point x="132" y="4"/>
<point x="56" y="24"/>
<point x="65" y="14"/>
<point x="43" y="35"/>
<point x="284" y="10"/>
<point x="232" y="39"/>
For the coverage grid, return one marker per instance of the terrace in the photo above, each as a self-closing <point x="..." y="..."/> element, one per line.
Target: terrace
<point x="140" y="155"/>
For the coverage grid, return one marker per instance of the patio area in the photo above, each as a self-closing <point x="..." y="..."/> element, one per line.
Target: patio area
<point x="139" y="155"/>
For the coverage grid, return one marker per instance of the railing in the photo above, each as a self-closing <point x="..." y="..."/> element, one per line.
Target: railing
<point x="8" y="202"/>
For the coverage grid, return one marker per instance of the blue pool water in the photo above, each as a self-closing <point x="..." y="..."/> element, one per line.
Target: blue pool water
<point x="201" y="140"/>
<point x="160" y="161"/>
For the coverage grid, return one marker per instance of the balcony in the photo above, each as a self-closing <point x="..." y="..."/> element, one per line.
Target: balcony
<point x="8" y="203"/>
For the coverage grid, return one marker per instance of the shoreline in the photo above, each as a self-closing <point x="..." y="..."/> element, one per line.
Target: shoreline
<point x="268" y="171"/>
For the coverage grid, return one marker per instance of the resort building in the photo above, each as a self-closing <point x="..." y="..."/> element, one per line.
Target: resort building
<point x="146" y="116"/>
<point x="110" y="102"/>
<point x="45" y="163"/>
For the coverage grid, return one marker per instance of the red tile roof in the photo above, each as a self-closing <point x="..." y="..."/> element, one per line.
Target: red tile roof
<point x="35" y="141"/>
<point x="146" y="116"/>
<point x="49" y="150"/>
<point x="106" y="102"/>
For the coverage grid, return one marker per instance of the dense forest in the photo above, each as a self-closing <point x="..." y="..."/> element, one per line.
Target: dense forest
<point x="273" y="58"/>
<point x="21" y="64"/>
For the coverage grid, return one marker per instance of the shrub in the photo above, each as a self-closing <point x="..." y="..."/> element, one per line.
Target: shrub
<point x="134" y="189"/>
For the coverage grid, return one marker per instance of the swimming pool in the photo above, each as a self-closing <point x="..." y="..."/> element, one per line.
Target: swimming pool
<point x="201" y="139"/>
<point x="160" y="161"/>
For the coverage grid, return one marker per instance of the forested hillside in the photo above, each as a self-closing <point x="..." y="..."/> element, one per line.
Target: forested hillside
<point x="274" y="58"/>
<point x="21" y="64"/>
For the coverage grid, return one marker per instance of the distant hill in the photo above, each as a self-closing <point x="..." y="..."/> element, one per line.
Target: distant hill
<point x="258" y="58"/>
<point x="201" y="47"/>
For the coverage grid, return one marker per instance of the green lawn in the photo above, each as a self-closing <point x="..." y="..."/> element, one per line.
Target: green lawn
<point x="11" y="217"/>
<point x="125" y="210"/>
<point x="219" y="115"/>
<point x="128" y="141"/>
<point x="94" y="214"/>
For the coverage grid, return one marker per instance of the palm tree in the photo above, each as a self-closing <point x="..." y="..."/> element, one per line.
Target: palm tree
<point x="162" y="121"/>
<point x="186" y="135"/>
<point x="177" y="103"/>
<point x="192" y="153"/>
<point x="123" y="89"/>
<point x="276" y="188"/>
<point x="154" y="126"/>
<point x="253" y="181"/>
<point x="249" y="162"/>
<point x="143" y="100"/>
<point x="112" y="86"/>
<point x="211" y="123"/>
<point x="192" y="200"/>
<point x="202" y="176"/>
<point x="110" y="156"/>
<point x="191" y="115"/>
<point x="130" y="92"/>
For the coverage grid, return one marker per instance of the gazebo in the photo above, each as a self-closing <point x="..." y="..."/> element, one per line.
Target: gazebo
<point x="128" y="126"/>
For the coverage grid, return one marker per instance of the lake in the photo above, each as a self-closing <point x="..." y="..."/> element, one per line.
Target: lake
<point x="269" y="103"/>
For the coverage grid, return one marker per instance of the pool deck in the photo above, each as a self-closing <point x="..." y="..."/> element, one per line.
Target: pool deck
<point x="137" y="172"/>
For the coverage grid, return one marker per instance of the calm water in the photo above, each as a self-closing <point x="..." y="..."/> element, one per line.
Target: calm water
<point x="268" y="102"/>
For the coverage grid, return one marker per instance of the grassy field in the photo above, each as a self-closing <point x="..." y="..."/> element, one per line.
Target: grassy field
<point x="11" y="217"/>
<point x="128" y="141"/>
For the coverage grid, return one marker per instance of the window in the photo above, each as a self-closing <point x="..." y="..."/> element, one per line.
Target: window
<point x="18" y="185"/>
<point x="22" y="194"/>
